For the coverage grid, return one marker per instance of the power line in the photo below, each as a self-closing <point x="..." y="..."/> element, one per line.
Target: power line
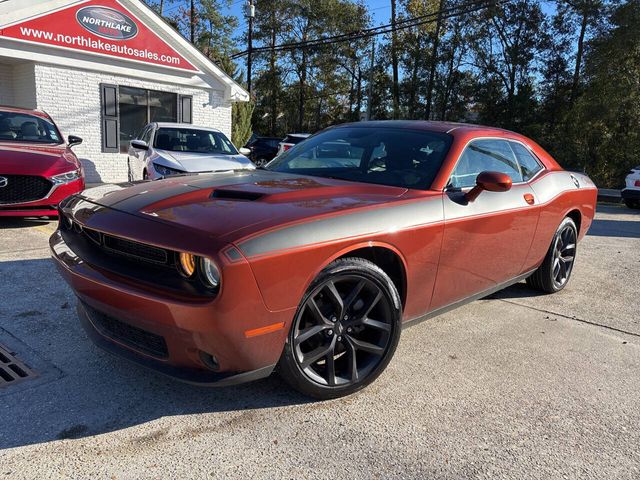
<point x="446" y="13"/>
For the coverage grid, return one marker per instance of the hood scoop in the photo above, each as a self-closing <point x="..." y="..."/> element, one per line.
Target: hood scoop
<point x="242" y="195"/>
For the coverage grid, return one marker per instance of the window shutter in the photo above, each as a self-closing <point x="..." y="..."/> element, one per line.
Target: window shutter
<point x="110" y="118"/>
<point x="185" y="110"/>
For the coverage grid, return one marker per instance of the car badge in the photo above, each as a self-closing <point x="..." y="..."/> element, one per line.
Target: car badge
<point x="575" y="181"/>
<point x="4" y="181"/>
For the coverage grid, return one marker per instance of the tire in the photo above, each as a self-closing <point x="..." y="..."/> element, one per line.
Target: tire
<point x="145" y="175"/>
<point x="333" y="351"/>
<point x="261" y="162"/>
<point x="556" y="268"/>
<point x="632" y="203"/>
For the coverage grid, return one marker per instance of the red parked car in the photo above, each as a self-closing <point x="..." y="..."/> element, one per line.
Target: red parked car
<point x="317" y="263"/>
<point x="37" y="167"/>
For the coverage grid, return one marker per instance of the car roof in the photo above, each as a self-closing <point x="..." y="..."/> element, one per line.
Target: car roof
<point x="27" y="111"/>
<point x="184" y="125"/>
<point x="428" y="125"/>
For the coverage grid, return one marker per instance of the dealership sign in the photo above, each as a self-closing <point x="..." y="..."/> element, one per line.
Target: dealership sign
<point x="101" y="27"/>
<point x="107" y="23"/>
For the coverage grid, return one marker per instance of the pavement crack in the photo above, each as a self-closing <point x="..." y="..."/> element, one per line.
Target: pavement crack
<point x="587" y="322"/>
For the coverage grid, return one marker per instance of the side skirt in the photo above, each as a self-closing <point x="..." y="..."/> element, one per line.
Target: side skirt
<point x="464" y="301"/>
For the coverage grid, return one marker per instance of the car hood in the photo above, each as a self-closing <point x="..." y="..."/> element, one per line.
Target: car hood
<point x="201" y="162"/>
<point x="29" y="159"/>
<point x="231" y="206"/>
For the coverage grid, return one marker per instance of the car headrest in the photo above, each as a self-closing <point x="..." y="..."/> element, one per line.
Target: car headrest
<point x="193" y="142"/>
<point x="29" y="129"/>
<point x="163" y="142"/>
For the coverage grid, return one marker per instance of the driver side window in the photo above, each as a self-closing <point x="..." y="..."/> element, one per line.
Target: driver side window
<point x="484" y="155"/>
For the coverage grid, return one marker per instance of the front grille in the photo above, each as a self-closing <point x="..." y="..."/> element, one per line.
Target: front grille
<point x="146" y="265"/>
<point x="123" y="247"/>
<point x="135" y="337"/>
<point x="23" y="188"/>
<point x="131" y="249"/>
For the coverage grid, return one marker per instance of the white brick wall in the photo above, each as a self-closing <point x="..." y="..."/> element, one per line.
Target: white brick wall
<point x="72" y="98"/>
<point x="24" y="85"/>
<point x="6" y="84"/>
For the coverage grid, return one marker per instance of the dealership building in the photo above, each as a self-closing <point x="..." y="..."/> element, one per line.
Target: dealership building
<point x="103" y="69"/>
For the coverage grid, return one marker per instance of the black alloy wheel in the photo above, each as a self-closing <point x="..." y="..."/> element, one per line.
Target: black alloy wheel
<point x="345" y="331"/>
<point x="564" y="252"/>
<point x="555" y="271"/>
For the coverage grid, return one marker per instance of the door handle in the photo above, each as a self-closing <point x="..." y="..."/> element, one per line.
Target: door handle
<point x="529" y="198"/>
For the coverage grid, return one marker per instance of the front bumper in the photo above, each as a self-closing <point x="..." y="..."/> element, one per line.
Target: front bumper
<point x="194" y="376"/>
<point x="630" y="194"/>
<point x="45" y="207"/>
<point x="193" y="329"/>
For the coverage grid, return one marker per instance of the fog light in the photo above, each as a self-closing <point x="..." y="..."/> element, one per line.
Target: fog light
<point x="187" y="264"/>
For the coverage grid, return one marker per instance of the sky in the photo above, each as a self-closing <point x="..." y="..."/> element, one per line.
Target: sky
<point x="380" y="10"/>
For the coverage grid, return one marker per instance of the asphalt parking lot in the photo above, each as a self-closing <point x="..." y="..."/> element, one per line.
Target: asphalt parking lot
<point x="518" y="385"/>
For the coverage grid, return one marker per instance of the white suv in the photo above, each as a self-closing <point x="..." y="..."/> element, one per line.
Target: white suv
<point x="631" y="193"/>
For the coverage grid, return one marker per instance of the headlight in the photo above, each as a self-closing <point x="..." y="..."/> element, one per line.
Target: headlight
<point x="210" y="273"/>
<point x="187" y="264"/>
<point x="66" y="177"/>
<point x="166" y="171"/>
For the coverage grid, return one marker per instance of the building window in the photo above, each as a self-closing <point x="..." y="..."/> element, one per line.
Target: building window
<point x="126" y="110"/>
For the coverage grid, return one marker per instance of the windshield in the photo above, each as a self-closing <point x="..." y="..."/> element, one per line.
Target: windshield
<point x="193" y="141"/>
<point x="22" y="127"/>
<point x="381" y="155"/>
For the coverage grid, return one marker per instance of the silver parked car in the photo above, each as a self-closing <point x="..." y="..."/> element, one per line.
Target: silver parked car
<point x="165" y="149"/>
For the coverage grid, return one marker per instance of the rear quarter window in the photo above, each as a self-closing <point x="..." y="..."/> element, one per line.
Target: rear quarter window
<point x="529" y="165"/>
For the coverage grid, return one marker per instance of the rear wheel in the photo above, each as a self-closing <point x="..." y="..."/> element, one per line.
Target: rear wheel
<point x="555" y="271"/>
<point x="632" y="203"/>
<point x="345" y="331"/>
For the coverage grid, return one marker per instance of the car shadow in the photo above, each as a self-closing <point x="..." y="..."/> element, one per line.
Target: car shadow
<point x="615" y="228"/>
<point x="22" y="222"/>
<point x="82" y="391"/>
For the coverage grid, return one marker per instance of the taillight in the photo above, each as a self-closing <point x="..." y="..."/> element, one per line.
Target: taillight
<point x="286" y="147"/>
<point x="637" y="184"/>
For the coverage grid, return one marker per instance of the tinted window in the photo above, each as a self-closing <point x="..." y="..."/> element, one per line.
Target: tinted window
<point x="194" y="141"/>
<point x="386" y="156"/>
<point x="481" y="156"/>
<point x="528" y="163"/>
<point x="21" y="127"/>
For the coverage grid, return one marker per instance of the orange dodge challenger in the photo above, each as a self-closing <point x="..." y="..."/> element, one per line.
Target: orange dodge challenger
<point x="314" y="264"/>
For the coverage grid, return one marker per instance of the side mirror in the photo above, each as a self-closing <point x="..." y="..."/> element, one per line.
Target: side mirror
<point x="73" y="140"/>
<point x="139" y="144"/>
<point x="245" y="151"/>
<point x="491" y="182"/>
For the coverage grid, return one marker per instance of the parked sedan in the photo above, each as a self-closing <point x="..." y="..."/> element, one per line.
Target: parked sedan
<point x="316" y="264"/>
<point x="37" y="167"/>
<point x="263" y="150"/>
<point x="165" y="149"/>
<point x="631" y="192"/>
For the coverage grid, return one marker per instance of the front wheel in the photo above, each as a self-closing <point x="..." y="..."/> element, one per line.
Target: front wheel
<point x="555" y="271"/>
<point x="345" y="331"/>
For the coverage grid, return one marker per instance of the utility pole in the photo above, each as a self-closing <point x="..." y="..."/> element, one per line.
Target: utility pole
<point x="193" y="21"/>
<point x="434" y="60"/>
<point x="394" y="62"/>
<point x="251" y="13"/>
<point x="371" y="75"/>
